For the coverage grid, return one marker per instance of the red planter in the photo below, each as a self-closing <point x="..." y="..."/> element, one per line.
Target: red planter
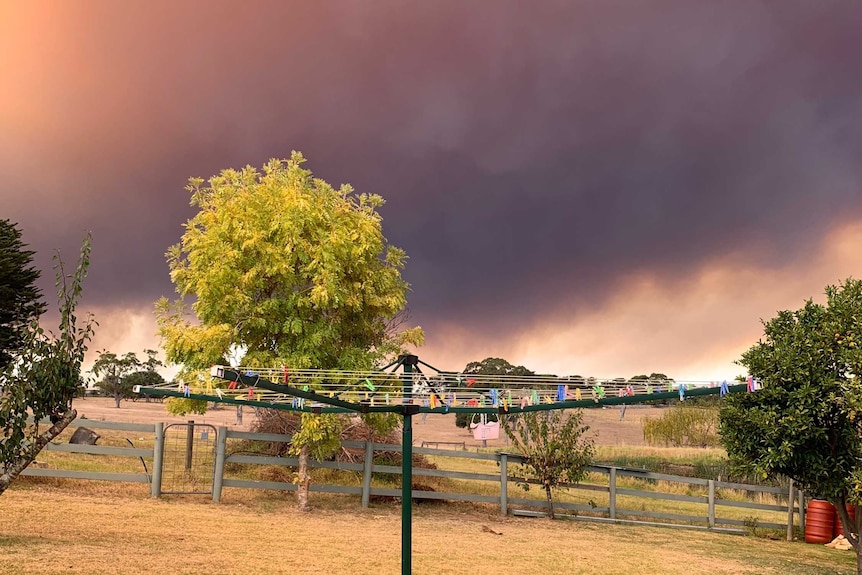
<point x="819" y="522"/>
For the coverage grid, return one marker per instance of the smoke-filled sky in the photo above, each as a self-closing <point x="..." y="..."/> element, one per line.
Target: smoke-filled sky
<point x="591" y="187"/>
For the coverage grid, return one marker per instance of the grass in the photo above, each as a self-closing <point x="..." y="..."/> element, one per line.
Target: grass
<point x="69" y="526"/>
<point x="46" y="531"/>
<point x="630" y="503"/>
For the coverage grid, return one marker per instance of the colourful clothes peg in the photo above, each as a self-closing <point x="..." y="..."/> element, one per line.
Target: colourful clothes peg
<point x="752" y="384"/>
<point x="682" y="392"/>
<point x="577" y="393"/>
<point x="723" y="390"/>
<point x="561" y="393"/>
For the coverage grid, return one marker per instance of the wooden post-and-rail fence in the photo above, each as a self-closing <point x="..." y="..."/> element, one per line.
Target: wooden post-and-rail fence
<point x="203" y="459"/>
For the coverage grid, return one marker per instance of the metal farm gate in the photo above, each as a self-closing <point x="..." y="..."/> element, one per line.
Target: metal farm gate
<point x="189" y="458"/>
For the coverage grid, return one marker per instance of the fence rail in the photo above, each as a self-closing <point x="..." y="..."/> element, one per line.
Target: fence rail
<point x="472" y="486"/>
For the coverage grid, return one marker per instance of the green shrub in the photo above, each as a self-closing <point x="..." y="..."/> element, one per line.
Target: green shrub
<point x="683" y="425"/>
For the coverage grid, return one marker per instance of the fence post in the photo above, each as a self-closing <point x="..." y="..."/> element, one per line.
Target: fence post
<point x="711" y="504"/>
<point x="504" y="484"/>
<point x="612" y="493"/>
<point x="790" y="498"/>
<point x="190" y="444"/>
<point x="801" y="509"/>
<point x="366" y="473"/>
<point x="218" y="471"/>
<point x="158" y="459"/>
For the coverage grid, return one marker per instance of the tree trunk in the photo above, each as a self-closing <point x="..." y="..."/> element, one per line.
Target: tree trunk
<point x="117" y="399"/>
<point x="304" y="481"/>
<point x="550" y="502"/>
<point x="852" y="529"/>
<point x="13" y="470"/>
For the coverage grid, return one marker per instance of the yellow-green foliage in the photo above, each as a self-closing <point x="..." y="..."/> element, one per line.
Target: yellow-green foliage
<point x="683" y="425"/>
<point x="286" y="270"/>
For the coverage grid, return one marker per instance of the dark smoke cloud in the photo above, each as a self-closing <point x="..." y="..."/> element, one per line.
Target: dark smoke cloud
<point x="533" y="154"/>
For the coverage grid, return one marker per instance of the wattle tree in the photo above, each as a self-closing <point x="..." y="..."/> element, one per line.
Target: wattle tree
<point x="285" y="270"/>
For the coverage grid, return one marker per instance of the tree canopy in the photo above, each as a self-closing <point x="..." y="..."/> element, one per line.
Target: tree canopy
<point x="286" y="270"/>
<point x="119" y="374"/>
<point x="496" y="366"/>
<point x="651" y="377"/>
<point x="805" y="422"/>
<point x="20" y="299"/>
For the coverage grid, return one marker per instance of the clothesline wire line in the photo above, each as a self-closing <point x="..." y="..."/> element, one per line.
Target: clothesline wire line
<point x="550" y="379"/>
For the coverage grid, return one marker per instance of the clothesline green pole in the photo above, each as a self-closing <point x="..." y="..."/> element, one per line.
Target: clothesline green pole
<point x="407" y="465"/>
<point x="407" y="493"/>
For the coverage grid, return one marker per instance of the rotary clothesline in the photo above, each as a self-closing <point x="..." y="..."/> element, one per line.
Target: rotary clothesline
<point x="330" y="391"/>
<point x="406" y="394"/>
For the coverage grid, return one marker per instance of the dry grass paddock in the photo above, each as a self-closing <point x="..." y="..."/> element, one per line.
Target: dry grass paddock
<point x="89" y="527"/>
<point x="51" y="526"/>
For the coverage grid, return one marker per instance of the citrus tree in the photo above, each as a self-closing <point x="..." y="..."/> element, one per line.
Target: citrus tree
<point x="806" y="421"/>
<point x="286" y="270"/>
